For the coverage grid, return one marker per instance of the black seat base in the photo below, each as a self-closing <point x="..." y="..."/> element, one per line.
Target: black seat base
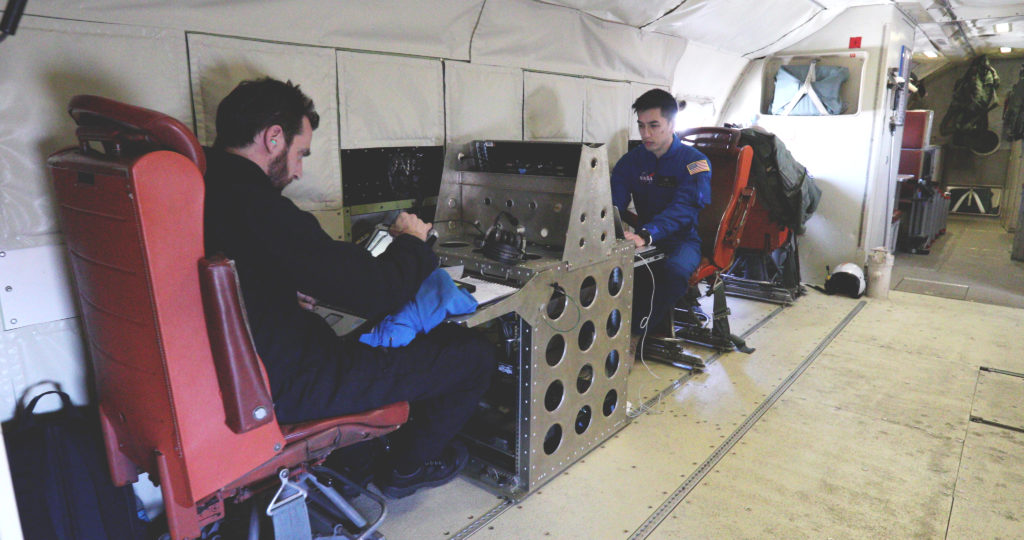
<point x="768" y="276"/>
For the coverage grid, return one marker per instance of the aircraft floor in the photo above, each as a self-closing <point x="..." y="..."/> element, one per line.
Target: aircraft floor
<point x="853" y="418"/>
<point x="970" y="262"/>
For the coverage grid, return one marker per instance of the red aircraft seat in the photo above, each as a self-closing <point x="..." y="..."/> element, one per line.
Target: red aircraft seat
<point x="182" y="394"/>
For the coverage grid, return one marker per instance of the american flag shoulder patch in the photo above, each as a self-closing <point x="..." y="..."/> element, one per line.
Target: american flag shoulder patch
<point x="698" y="166"/>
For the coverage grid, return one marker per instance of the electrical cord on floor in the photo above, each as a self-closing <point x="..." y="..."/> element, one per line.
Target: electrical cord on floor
<point x="644" y="321"/>
<point x="644" y="408"/>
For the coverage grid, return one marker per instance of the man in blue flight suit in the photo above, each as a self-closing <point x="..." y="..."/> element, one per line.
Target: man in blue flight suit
<point x="669" y="183"/>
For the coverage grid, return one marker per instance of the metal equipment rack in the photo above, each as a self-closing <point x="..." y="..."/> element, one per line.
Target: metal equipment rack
<point x="563" y="338"/>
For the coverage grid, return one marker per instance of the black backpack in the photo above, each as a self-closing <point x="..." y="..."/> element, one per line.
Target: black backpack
<point x="783" y="186"/>
<point x="61" y="479"/>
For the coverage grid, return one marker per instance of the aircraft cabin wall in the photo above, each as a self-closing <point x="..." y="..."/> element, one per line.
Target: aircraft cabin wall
<point x="851" y="156"/>
<point x="704" y="78"/>
<point x="379" y="78"/>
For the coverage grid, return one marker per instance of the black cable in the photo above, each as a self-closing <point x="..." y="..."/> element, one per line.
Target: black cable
<point x="11" y="18"/>
<point x="579" y="312"/>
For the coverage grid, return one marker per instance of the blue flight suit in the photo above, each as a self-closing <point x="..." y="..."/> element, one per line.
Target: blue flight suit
<point x="668" y="193"/>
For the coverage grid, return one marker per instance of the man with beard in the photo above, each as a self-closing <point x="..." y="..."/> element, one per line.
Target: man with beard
<point x="285" y="261"/>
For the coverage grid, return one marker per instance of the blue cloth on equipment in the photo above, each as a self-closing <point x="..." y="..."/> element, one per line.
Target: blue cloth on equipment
<point x="437" y="299"/>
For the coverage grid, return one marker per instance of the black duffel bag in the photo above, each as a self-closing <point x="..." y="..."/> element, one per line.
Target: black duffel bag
<point x="61" y="479"/>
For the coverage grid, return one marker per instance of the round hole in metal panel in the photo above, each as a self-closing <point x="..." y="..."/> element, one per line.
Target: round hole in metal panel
<point x="487" y="201"/>
<point x="583" y="419"/>
<point x="510" y="203"/>
<point x="454" y="244"/>
<point x="556" y="304"/>
<point x="583" y="217"/>
<point x="615" y="281"/>
<point x="588" y="291"/>
<point x="585" y="379"/>
<point x="604" y="213"/>
<point x="614" y="323"/>
<point x="552" y="439"/>
<point x="604" y="236"/>
<point x="611" y="363"/>
<point x="553" y="396"/>
<point x="582" y="242"/>
<point x="532" y="205"/>
<point x="587" y="334"/>
<point x="611" y="401"/>
<point x="593" y="163"/>
<point x="555" y="350"/>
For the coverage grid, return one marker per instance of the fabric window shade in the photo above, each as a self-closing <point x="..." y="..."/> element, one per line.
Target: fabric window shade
<point x="483" y="102"/>
<point x="388" y="101"/>
<point x="606" y="116"/>
<point x="218" y="64"/>
<point x="552" y="107"/>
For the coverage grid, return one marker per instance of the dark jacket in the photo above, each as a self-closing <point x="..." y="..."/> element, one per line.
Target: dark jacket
<point x="667" y="197"/>
<point x="279" y="249"/>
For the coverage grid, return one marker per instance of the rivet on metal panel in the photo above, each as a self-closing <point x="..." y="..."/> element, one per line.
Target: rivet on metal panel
<point x="8" y="288"/>
<point x="3" y="253"/>
<point x="14" y="321"/>
<point x="277" y="447"/>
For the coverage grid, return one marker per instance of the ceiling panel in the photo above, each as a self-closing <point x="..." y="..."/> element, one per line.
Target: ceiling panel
<point x="632" y="12"/>
<point x="736" y="26"/>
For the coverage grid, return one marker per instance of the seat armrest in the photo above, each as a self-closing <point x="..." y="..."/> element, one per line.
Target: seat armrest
<point x="247" y="401"/>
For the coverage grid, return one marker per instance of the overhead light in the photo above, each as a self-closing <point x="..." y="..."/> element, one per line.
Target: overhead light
<point x="931" y="54"/>
<point x="1002" y="28"/>
<point x="1005" y="50"/>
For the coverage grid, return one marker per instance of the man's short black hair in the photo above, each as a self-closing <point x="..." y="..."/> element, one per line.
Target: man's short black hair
<point x="258" y="104"/>
<point x="657" y="99"/>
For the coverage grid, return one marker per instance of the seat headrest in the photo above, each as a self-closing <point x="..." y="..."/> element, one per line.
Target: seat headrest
<point x="712" y="139"/>
<point x="100" y="118"/>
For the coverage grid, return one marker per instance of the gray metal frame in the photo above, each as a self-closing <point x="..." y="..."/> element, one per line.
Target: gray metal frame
<point x="565" y="342"/>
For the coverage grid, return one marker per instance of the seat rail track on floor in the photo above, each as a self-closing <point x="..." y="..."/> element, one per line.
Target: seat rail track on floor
<point x="723" y="449"/>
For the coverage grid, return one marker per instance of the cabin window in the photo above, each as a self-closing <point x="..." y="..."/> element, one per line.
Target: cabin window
<point x="699" y="111"/>
<point x="812" y="85"/>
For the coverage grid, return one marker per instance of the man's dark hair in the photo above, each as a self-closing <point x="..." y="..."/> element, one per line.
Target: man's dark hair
<point x="258" y="104"/>
<point x="657" y="99"/>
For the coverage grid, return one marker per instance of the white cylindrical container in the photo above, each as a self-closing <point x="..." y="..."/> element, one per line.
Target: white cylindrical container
<point x="880" y="263"/>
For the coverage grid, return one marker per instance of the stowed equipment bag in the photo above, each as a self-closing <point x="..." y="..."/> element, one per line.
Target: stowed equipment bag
<point x="61" y="480"/>
<point x="1013" y="114"/>
<point x="974" y="95"/>
<point x="783" y="186"/>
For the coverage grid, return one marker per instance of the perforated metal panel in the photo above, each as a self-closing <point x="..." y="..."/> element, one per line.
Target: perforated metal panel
<point x="573" y="309"/>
